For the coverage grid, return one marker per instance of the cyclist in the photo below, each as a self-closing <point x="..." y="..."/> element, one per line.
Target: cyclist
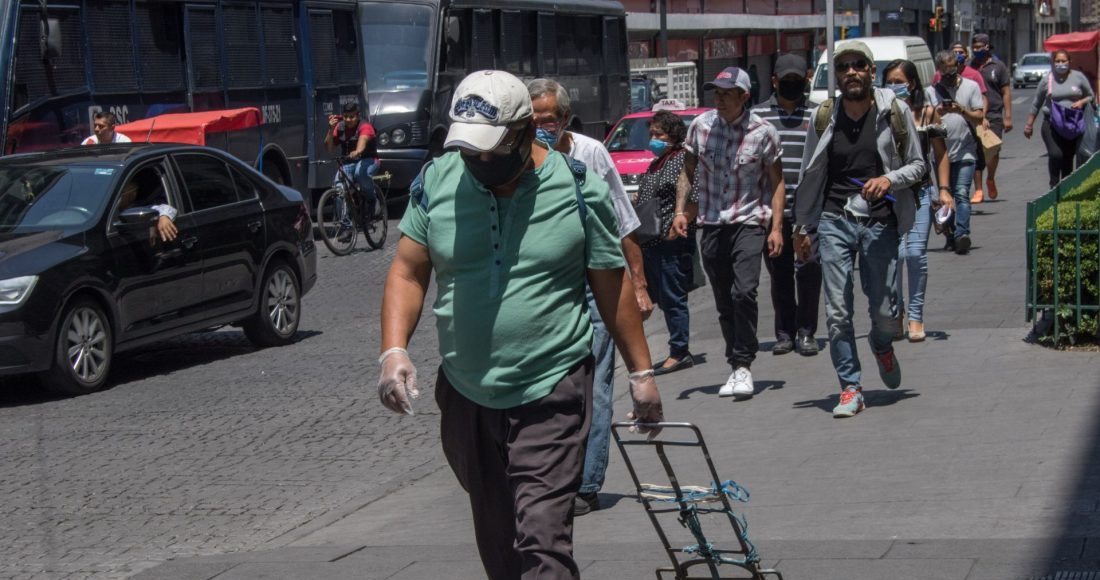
<point x="355" y="139"/>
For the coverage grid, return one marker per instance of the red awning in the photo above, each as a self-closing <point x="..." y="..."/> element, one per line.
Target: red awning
<point x="190" y="128"/>
<point x="1072" y="42"/>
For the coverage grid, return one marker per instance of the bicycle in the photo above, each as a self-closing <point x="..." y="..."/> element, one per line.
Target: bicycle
<point x="344" y="210"/>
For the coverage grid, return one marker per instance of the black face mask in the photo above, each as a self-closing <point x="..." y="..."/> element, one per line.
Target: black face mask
<point x="500" y="169"/>
<point x="949" y="78"/>
<point x="791" y="90"/>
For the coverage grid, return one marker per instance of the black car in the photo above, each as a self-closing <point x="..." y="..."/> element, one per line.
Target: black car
<point x="88" y="268"/>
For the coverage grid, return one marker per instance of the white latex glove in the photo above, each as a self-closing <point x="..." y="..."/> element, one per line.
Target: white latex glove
<point x="397" y="381"/>
<point x="647" y="402"/>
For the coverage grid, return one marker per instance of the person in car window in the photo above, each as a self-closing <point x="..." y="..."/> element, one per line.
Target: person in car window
<point x="103" y="130"/>
<point x="355" y="139"/>
<point x="133" y="196"/>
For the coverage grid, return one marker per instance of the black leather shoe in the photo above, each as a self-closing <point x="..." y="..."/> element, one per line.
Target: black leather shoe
<point x="585" y="502"/>
<point x="684" y="363"/>
<point x="783" y="346"/>
<point x="807" y="345"/>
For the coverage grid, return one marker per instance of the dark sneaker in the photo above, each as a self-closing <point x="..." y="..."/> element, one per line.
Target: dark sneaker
<point x="851" y="402"/>
<point x="962" y="245"/>
<point x="949" y="246"/>
<point x="783" y="346"/>
<point x="663" y="369"/>
<point x="807" y="344"/>
<point x="889" y="369"/>
<point x="585" y="502"/>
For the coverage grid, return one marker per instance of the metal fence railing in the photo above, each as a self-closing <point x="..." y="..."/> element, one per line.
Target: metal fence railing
<point x="1063" y="230"/>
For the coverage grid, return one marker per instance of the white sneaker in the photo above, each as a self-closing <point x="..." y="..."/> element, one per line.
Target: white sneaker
<point x="738" y="385"/>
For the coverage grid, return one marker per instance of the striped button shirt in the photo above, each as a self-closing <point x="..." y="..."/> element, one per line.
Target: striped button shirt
<point x="732" y="173"/>
<point x="792" y="130"/>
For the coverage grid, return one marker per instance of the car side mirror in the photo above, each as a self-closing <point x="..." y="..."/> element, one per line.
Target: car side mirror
<point x="133" y="218"/>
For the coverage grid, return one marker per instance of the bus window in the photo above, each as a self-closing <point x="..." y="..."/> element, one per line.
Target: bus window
<point x="567" y="48"/>
<point x="587" y="39"/>
<point x="397" y="45"/>
<point x="35" y="79"/>
<point x="548" y="47"/>
<point x="158" y="34"/>
<point x="484" y="48"/>
<point x="280" y="45"/>
<point x="202" y="25"/>
<point x="323" y="47"/>
<point x="347" y="48"/>
<point x="518" y="39"/>
<point x="613" y="49"/>
<point x="241" y="32"/>
<point x="458" y="29"/>
<point x="112" y="49"/>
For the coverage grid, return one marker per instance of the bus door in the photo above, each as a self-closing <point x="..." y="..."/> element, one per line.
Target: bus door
<point x="204" y="76"/>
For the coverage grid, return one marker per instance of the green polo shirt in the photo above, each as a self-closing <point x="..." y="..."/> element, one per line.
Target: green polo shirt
<point x="510" y="274"/>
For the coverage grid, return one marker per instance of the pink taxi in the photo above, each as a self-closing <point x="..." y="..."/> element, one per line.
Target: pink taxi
<point x="628" y="143"/>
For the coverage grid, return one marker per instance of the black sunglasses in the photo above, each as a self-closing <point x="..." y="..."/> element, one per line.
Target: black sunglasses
<point x="859" y="65"/>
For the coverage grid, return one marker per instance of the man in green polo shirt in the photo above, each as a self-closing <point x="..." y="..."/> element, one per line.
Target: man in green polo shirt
<point x="512" y="231"/>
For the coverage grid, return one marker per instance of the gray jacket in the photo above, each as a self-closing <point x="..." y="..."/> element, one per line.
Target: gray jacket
<point x="902" y="173"/>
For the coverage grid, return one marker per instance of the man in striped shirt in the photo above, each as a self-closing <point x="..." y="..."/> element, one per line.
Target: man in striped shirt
<point x="731" y="159"/>
<point x="795" y="311"/>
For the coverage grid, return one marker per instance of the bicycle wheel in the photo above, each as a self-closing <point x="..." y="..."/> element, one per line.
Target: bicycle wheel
<point x="376" y="223"/>
<point x="338" y="229"/>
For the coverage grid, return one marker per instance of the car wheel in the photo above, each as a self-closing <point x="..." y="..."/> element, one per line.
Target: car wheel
<point x="276" y="319"/>
<point x="83" y="348"/>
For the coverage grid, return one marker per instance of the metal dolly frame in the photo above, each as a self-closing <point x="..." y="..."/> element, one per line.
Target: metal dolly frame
<point x="683" y="499"/>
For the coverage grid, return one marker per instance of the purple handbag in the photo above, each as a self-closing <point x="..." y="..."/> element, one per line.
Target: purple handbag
<point x="1068" y="122"/>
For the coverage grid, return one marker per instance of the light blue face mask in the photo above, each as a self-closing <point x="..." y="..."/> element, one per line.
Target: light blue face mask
<point x="657" y="147"/>
<point x="901" y="90"/>
<point x="1061" y="68"/>
<point x="546" y="136"/>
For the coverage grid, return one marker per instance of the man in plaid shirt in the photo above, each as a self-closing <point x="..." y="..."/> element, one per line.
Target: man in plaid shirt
<point x="731" y="164"/>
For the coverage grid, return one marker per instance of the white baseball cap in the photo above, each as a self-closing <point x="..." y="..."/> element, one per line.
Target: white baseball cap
<point x="486" y="103"/>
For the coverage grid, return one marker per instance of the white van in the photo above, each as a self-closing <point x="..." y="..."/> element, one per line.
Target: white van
<point x="885" y="50"/>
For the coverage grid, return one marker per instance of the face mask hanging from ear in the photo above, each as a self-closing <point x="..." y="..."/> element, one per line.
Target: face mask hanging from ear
<point x="547" y="136"/>
<point x="791" y="90"/>
<point x="499" y="169"/>
<point x="657" y="147"/>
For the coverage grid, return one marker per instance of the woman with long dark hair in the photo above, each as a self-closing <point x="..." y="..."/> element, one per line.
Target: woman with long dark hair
<point x="1067" y="88"/>
<point x="668" y="259"/>
<point x="901" y="77"/>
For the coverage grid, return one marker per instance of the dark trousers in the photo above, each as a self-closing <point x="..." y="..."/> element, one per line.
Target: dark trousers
<point x="1061" y="153"/>
<point x="731" y="258"/>
<point x="668" y="274"/>
<point x="521" y="468"/>
<point x="796" y="288"/>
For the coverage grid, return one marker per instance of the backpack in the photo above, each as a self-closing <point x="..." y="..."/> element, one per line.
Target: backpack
<point x="898" y="127"/>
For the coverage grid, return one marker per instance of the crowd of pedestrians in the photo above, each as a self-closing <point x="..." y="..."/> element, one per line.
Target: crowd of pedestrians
<point x="543" y="268"/>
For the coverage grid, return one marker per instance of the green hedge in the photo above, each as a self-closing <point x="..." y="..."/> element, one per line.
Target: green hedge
<point x="1066" y="316"/>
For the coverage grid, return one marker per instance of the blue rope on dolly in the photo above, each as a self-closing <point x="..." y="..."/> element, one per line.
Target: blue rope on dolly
<point x="689" y="498"/>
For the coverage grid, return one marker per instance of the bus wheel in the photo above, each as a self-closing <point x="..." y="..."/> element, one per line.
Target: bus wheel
<point x="273" y="172"/>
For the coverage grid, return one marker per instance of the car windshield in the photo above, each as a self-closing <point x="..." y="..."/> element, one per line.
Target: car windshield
<point x="37" y="197"/>
<point x="633" y="134"/>
<point x="821" y="75"/>
<point x="1035" y="60"/>
<point x="396" y="45"/>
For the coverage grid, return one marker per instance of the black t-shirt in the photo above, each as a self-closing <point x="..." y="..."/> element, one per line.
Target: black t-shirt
<point x="996" y="76"/>
<point x="854" y="155"/>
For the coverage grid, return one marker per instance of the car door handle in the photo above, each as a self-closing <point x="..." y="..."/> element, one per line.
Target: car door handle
<point x="188" y="242"/>
<point x="255" y="226"/>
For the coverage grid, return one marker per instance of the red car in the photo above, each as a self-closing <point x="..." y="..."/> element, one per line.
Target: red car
<point x="628" y="143"/>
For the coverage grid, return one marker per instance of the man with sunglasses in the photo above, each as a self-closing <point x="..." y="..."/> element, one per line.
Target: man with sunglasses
<point x="512" y="231"/>
<point x="552" y="114"/>
<point x="855" y="192"/>
<point x="731" y="160"/>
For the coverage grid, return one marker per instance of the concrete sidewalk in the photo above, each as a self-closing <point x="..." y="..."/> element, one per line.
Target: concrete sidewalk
<point x="984" y="465"/>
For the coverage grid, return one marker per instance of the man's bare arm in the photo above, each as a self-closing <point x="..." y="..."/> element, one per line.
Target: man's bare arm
<point x="403" y="297"/>
<point x="633" y="254"/>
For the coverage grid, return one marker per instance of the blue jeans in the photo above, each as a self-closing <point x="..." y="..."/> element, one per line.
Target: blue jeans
<point x="668" y="272"/>
<point x="962" y="176"/>
<point x="842" y="242"/>
<point x="361" y="173"/>
<point x="603" y="383"/>
<point x="913" y="252"/>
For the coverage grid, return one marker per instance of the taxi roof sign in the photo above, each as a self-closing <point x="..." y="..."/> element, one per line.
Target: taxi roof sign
<point x="669" y="105"/>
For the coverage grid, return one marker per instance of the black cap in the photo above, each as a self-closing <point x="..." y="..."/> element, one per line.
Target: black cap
<point x="351" y="107"/>
<point x="790" y="64"/>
